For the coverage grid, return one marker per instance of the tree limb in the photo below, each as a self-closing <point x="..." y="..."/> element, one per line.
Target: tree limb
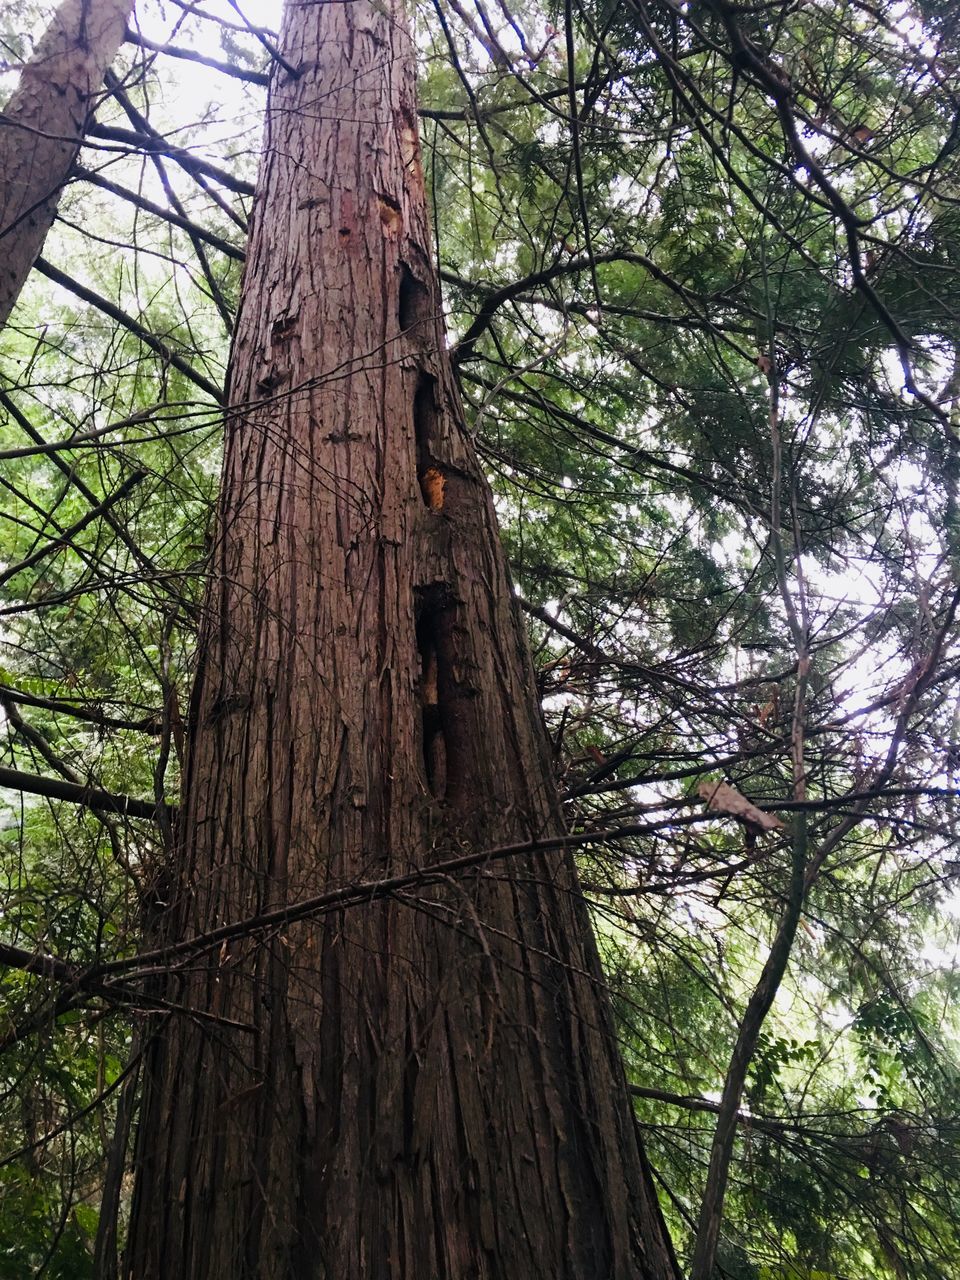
<point x="89" y="797"/>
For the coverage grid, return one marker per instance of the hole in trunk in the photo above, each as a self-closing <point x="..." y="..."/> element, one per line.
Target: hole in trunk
<point x="424" y="415"/>
<point x="412" y="305"/>
<point x="430" y="477"/>
<point x="391" y="219"/>
<point x="442" y="702"/>
<point x="434" y="740"/>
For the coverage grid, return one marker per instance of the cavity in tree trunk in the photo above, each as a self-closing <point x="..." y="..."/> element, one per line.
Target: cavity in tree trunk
<point x="427" y="1086"/>
<point x="42" y="126"/>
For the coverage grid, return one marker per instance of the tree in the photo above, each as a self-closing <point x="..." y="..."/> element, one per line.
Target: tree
<point x="42" y="127"/>
<point x="429" y="1086"/>
<point x="701" y="264"/>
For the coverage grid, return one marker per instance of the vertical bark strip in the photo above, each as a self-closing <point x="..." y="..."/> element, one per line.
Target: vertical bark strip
<point x="429" y="1087"/>
<point x="42" y="126"/>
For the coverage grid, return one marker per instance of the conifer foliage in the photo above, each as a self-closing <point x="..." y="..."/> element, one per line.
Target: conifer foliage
<point x="294" y="884"/>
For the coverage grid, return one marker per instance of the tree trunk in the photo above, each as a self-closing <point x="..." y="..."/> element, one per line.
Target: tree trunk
<point x="42" y="127"/>
<point x="428" y="1087"/>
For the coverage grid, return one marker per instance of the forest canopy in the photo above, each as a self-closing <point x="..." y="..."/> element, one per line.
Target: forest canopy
<point x="699" y="266"/>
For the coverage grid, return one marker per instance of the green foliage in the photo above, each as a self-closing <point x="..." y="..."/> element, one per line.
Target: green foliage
<point x="710" y="479"/>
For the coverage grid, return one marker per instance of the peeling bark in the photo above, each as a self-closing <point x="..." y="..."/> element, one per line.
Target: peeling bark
<point x="431" y="1087"/>
<point x="42" y="126"/>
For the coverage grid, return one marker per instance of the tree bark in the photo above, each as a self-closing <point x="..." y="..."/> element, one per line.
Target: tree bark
<point x="429" y="1087"/>
<point x="42" y="127"/>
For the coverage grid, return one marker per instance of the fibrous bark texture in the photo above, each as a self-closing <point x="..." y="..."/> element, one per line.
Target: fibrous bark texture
<point x="42" y="126"/>
<point x="426" y="1087"/>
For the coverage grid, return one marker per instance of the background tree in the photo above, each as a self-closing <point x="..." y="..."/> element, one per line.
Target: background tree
<point x="43" y="124"/>
<point x="715" y="253"/>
